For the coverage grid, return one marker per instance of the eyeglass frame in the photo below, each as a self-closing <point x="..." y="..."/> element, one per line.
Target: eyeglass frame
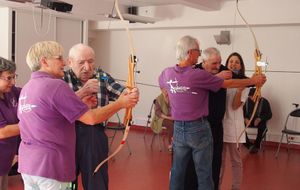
<point x="10" y="78"/>
<point x="199" y="50"/>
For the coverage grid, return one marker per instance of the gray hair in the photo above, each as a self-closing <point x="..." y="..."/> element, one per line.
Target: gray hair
<point x="7" y="65"/>
<point x="208" y="52"/>
<point x="44" y="49"/>
<point x="79" y="47"/>
<point x="185" y="44"/>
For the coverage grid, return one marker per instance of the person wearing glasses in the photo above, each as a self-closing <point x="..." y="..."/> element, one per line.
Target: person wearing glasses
<point x="188" y="89"/>
<point x="47" y="111"/>
<point x="91" y="142"/>
<point x="9" y="95"/>
<point x="212" y="63"/>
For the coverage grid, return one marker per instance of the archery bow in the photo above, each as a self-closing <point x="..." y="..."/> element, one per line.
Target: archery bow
<point x="130" y="84"/>
<point x="258" y="70"/>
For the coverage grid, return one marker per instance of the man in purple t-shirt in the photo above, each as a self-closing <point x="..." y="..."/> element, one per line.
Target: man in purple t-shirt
<point x="188" y="90"/>
<point x="47" y="110"/>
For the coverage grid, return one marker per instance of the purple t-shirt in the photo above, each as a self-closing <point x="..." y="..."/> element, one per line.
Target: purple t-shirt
<point x="8" y="116"/>
<point x="188" y="91"/>
<point x="47" y="111"/>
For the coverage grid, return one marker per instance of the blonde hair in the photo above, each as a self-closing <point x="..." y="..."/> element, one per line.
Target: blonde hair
<point x="46" y="49"/>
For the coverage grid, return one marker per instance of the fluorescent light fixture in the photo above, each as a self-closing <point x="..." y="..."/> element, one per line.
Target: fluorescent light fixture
<point x="134" y="18"/>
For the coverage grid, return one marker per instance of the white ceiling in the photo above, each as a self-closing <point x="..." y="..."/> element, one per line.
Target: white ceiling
<point x="95" y="9"/>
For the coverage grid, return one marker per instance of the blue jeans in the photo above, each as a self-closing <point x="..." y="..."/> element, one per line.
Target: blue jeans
<point x="192" y="139"/>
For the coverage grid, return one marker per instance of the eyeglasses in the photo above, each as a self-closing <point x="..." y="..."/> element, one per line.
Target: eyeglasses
<point x="59" y="57"/>
<point x="9" y="78"/>
<point x="199" y="50"/>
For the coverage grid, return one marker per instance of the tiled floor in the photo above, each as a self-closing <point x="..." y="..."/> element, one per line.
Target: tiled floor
<point x="148" y="168"/>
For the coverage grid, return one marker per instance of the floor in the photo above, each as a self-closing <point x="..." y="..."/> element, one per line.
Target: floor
<point x="148" y="168"/>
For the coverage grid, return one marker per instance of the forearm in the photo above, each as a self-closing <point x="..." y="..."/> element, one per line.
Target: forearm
<point x="237" y="83"/>
<point x="237" y="100"/>
<point x="98" y="115"/>
<point x="9" y="131"/>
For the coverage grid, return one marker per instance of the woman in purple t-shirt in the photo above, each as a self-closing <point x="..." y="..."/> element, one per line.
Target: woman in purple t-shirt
<point x="9" y="95"/>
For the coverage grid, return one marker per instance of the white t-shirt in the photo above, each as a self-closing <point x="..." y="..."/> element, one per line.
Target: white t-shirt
<point x="233" y="121"/>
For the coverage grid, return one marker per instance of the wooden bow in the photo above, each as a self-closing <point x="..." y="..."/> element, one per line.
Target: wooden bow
<point x="130" y="84"/>
<point x="258" y="70"/>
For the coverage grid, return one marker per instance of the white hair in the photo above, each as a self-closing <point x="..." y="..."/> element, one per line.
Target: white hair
<point x="208" y="52"/>
<point x="73" y="52"/>
<point x="185" y="44"/>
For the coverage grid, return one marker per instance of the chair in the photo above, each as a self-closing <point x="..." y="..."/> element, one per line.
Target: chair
<point x="252" y="131"/>
<point x="118" y="127"/>
<point x="149" y="120"/>
<point x="290" y="131"/>
<point x="149" y="117"/>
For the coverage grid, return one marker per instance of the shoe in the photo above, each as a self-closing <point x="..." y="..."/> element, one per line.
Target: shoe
<point x="253" y="149"/>
<point x="248" y="145"/>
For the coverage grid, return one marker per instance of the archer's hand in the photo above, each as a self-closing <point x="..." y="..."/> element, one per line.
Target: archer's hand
<point x="90" y="87"/>
<point x="226" y="74"/>
<point x="259" y="79"/>
<point x="257" y="121"/>
<point x="129" y="98"/>
<point x="91" y="101"/>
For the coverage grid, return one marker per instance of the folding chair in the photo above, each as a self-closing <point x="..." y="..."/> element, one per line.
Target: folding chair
<point x="149" y="120"/>
<point x="290" y="130"/>
<point x="118" y="127"/>
<point x="252" y="131"/>
<point x="149" y="117"/>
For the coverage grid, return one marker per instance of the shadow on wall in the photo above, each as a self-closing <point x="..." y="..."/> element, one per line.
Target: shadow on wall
<point x="169" y="12"/>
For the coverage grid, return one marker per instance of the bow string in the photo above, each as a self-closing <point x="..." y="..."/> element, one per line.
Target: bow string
<point x="258" y="70"/>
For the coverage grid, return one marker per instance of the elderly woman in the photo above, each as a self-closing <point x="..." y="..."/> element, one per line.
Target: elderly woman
<point x="9" y="96"/>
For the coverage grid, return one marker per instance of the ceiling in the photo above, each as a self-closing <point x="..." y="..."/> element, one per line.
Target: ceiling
<point x="95" y="9"/>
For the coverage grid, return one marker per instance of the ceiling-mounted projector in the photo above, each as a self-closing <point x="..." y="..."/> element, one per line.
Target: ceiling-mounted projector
<point x="57" y="5"/>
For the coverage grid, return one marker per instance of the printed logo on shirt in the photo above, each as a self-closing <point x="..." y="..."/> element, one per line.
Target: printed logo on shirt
<point x="14" y="102"/>
<point x="23" y="106"/>
<point x="175" y="88"/>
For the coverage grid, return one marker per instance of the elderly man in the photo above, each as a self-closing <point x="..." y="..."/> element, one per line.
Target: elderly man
<point x="188" y="89"/>
<point x="91" y="142"/>
<point x="47" y="110"/>
<point x="217" y="100"/>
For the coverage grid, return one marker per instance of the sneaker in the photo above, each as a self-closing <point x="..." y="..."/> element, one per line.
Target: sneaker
<point x="253" y="149"/>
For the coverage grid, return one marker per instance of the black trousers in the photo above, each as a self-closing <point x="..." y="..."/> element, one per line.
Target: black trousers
<point x="191" y="176"/>
<point x="91" y="149"/>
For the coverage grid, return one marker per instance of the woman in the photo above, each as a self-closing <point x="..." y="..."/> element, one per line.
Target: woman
<point x="9" y="96"/>
<point x="233" y="121"/>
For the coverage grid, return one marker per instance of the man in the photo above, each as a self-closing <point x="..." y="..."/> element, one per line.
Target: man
<point x="188" y="90"/>
<point x="47" y="110"/>
<point x="262" y="115"/>
<point x="212" y="64"/>
<point x="91" y="142"/>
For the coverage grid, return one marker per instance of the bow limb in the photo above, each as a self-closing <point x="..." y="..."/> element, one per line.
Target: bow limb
<point x="130" y="84"/>
<point x="258" y="70"/>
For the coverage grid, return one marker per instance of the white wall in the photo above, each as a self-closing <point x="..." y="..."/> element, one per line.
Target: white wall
<point x="63" y="30"/>
<point x="5" y="32"/>
<point x="277" y="27"/>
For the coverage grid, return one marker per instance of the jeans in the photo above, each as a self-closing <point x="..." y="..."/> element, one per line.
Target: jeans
<point x="192" y="139"/>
